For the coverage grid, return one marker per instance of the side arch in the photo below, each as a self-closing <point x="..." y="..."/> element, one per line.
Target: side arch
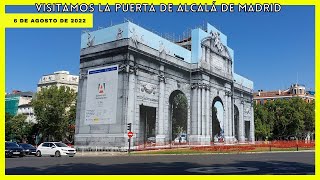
<point x="178" y="117"/>
<point x="217" y="121"/>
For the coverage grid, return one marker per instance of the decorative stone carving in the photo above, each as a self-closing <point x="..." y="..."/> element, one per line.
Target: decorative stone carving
<point x="194" y="86"/>
<point x="162" y="78"/>
<point x="133" y="69"/>
<point x="217" y="41"/>
<point x="199" y="86"/>
<point x="178" y="84"/>
<point x="148" y="88"/>
<point x="228" y="93"/>
<point x="141" y="39"/>
<point x="247" y="110"/>
<point x="82" y="75"/>
<point x="123" y="68"/>
<point x="90" y="40"/>
<point x="162" y="49"/>
<point x="134" y="37"/>
<point x="119" y="34"/>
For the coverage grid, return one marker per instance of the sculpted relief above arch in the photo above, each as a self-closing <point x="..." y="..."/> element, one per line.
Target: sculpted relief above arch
<point x="214" y="55"/>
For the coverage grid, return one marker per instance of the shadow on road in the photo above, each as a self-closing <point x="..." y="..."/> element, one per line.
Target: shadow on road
<point x="172" y="168"/>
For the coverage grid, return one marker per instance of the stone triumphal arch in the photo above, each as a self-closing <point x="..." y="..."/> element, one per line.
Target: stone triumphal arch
<point x="131" y="75"/>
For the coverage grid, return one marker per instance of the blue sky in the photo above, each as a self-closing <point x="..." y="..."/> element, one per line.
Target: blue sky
<point x="270" y="48"/>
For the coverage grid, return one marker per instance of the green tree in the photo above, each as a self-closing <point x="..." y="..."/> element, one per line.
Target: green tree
<point x="180" y="115"/>
<point x="17" y="128"/>
<point x="282" y="118"/>
<point x="53" y="108"/>
<point x="71" y="122"/>
<point x="309" y="117"/>
<point x="263" y="123"/>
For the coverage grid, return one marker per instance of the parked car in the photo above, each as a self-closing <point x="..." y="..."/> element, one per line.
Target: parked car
<point x="54" y="149"/>
<point x="182" y="138"/>
<point x="28" y="149"/>
<point x="13" y="149"/>
<point x="151" y="140"/>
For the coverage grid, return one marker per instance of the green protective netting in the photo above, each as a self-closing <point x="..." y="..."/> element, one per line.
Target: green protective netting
<point x="12" y="105"/>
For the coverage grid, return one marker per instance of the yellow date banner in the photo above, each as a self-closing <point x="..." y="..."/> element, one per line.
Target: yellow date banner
<point x="36" y="20"/>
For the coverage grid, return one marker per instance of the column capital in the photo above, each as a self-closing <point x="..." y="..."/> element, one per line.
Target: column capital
<point x="123" y="68"/>
<point x="228" y="93"/>
<point x="200" y="86"/>
<point x="133" y="69"/>
<point x="83" y="75"/>
<point x="162" y="78"/>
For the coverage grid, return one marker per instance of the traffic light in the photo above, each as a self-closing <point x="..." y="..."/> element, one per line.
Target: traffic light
<point x="129" y="126"/>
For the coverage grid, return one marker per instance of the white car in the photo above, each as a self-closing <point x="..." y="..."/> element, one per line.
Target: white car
<point x="54" y="149"/>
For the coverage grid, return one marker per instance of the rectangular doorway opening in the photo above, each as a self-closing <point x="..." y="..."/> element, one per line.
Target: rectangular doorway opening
<point x="147" y="125"/>
<point x="246" y="130"/>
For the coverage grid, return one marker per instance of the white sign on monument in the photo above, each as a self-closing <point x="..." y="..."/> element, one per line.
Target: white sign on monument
<point x="101" y="102"/>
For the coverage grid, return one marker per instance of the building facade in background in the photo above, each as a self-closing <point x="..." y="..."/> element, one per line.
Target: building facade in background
<point x="131" y="75"/>
<point x="19" y="102"/>
<point x="295" y="90"/>
<point x="59" y="78"/>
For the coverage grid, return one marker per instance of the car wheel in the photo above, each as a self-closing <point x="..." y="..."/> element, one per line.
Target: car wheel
<point x="57" y="154"/>
<point x="10" y="154"/>
<point x="21" y="155"/>
<point x="38" y="153"/>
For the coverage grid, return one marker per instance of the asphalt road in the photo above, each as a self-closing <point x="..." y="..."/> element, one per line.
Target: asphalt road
<point x="259" y="163"/>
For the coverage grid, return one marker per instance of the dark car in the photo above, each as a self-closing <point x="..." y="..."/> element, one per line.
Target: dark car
<point x="13" y="149"/>
<point x="28" y="149"/>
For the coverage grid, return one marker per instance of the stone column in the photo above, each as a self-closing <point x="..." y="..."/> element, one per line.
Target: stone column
<point x="252" y="140"/>
<point x="241" y="123"/>
<point x="230" y="117"/>
<point x="210" y="58"/>
<point x="160" y="135"/>
<point x="207" y="54"/>
<point x="226" y="117"/>
<point x="229" y="134"/>
<point x="131" y="96"/>
<point x="199" y="110"/>
<point x="207" y="111"/>
<point x="203" y="55"/>
<point x="203" y="117"/>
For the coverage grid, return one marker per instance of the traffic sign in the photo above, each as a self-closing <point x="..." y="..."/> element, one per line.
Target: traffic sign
<point x="130" y="134"/>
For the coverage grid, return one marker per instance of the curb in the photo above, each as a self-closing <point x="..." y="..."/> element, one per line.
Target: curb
<point x="114" y="154"/>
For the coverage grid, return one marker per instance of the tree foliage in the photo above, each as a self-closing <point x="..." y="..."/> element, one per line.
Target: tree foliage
<point x="179" y="115"/>
<point x="281" y="119"/>
<point x="17" y="128"/>
<point x="54" y="109"/>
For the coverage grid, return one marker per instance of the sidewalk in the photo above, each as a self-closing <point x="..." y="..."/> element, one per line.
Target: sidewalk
<point x="104" y="154"/>
<point x="100" y="153"/>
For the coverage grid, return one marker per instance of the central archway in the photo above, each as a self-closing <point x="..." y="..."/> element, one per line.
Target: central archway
<point x="217" y="120"/>
<point x="178" y="113"/>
